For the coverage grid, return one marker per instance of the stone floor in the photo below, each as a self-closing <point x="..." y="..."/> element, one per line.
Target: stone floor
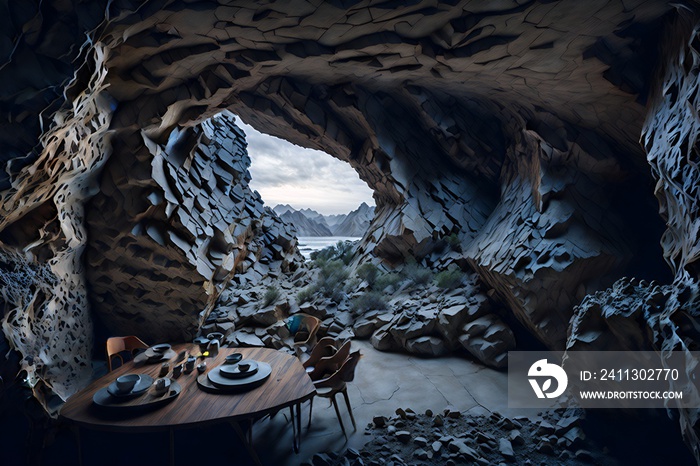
<point x="384" y="382"/>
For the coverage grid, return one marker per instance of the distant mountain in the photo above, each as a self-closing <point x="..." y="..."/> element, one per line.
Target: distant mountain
<point x="333" y="220"/>
<point x="282" y="208"/>
<point x="305" y="226"/>
<point x="355" y="223"/>
<point x="308" y="222"/>
<point x="312" y="215"/>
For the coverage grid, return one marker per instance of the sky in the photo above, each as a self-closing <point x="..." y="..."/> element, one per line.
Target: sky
<point x="284" y="173"/>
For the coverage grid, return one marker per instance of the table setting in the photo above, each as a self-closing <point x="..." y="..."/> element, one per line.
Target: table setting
<point x="137" y="392"/>
<point x="143" y="398"/>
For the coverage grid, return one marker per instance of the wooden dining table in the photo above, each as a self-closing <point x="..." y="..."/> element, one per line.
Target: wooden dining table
<point x="287" y="387"/>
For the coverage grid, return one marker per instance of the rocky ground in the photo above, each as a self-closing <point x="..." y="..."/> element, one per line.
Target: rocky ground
<point x="414" y="309"/>
<point x="451" y="438"/>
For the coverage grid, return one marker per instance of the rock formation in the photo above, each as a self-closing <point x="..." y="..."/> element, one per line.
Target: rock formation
<point x="190" y="224"/>
<point x="639" y="315"/>
<point x="508" y="130"/>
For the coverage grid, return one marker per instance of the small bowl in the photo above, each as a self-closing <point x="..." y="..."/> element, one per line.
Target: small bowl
<point x="244" y="366"/>
<point x="216" y="336"/>
<point x="126" y="383"/>
<point x="161" y="348"/>
<point x="201" y="367"/>
<point x="233" y="358"/>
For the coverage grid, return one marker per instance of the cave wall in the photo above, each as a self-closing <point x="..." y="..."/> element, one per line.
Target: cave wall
<point x="639" y="315"/>
<point x="170" y="227"/>
<point x="513" y="126"/>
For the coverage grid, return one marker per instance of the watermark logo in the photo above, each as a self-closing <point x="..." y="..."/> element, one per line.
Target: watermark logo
<point x="546" y="372"/>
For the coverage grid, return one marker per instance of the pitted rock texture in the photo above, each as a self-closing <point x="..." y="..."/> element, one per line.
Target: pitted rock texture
<point x="670" y="137"/>
<point x="172" y="225"/>
<point x="633" y="314"/>
<point x="454" y="113"/>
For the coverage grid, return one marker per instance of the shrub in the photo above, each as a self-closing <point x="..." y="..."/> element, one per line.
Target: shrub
<point x="331" y="279"/>
<point x="449" y="279"/>
<point x="454" y="242"/>
<point x="368" y="272"/>
<point x="386" y="279"/>
<point x="369" y="301"/>
<point x="342" y="251"/>
<point x="417" y="274"/>
<point x="271" y="295"/>
<point x="306" y="294"/>
<point x="345" y="251"/>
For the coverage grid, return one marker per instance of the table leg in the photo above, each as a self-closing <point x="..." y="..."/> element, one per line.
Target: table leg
<point x="247" y="441"/>
<point x="296" y="426"/>
<point x="171" y="435"/>
<point x="76" y="432"/>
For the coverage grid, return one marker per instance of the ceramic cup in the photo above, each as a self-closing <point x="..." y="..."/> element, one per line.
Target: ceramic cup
<point x="189" y="365"/>
<point x="177" y="370"/>
<point x="201" y="367"/>
<point x="126" y="383"/>
<point x="213" y="347"/>
<point x="161" y="386"/>
<point x="164" y="369"/>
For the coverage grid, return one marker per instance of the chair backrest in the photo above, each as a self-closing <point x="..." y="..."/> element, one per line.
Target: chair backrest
<point x="347" y="370"/>
<point x="330" y="364"/>
<point x="346" y="373"/>
<point x="117" y="345"/>
<point x="324" y="348"/>
<point x="342" y="353"/>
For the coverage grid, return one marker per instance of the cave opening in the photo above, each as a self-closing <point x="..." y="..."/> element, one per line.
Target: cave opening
<point x="320" y="195"/>
<point x="506" y="163"/>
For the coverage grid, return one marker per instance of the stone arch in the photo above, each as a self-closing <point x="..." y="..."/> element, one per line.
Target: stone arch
<point x="489" y="123"/>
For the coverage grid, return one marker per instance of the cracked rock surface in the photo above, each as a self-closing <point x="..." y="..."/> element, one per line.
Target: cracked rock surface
<point x="511" y="127"/>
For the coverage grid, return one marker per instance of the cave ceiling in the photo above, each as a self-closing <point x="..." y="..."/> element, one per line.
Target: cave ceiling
<point x="512" y="125"/>
<point x="292" y="69"/>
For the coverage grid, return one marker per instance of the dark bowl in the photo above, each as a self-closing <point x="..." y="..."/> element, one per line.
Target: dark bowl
<point x="233" y="358"/>
<point x="126" y="383"/>
<point x="244" y="366"/>
<point x="162" y="348"/>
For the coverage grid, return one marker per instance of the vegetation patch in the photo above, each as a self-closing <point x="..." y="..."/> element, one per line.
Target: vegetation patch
<point x="272" y="294"/>
<point x="449" y="279"/>
<point x="369" y="301"/>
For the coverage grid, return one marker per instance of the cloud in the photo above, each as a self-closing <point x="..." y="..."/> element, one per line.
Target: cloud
<point x="284" y="173"/>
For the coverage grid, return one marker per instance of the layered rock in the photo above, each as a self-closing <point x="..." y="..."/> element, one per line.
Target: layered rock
<point x="171" y="226"/>
<point x="637" y="315"/>
<point x="511" y="127"/>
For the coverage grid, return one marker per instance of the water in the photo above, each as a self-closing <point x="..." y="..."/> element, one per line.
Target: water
<point x="309" y="244"/>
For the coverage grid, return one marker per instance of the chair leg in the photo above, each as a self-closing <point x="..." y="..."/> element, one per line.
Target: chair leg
<point x="311" y="407"/>
<point x="347" y="403"/>
<point x="337" y="413"/>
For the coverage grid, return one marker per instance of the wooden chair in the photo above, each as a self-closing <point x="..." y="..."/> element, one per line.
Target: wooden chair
<point x="329" y="364"/>
<point x="303" y="328"/>
<point x="325" y="347"/>
<point x="118" y="345"/>
<point x="337" y="383"/>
